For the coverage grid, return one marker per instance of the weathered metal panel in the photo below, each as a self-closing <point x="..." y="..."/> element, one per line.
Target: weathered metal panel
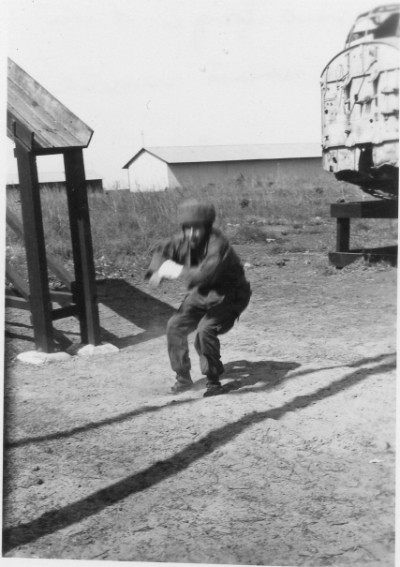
<point x="360" y="106"/>
<point x="34" y="109"/>
<point x="360" y="97"/>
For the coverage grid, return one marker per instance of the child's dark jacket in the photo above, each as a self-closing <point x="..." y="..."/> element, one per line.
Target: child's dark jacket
<point x="216" y="275"/>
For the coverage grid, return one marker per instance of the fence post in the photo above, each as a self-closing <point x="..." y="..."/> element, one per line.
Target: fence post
<point x="35" y="249"/>
<point x="85" y="283"/>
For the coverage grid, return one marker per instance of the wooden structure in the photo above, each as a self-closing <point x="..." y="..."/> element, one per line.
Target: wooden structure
<point x="40" y="125"/>
<point x="343" y="212"/>
<point x="55" y="181"/>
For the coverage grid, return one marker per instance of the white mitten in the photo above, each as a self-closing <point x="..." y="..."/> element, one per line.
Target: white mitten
<point x="170" y="270"/>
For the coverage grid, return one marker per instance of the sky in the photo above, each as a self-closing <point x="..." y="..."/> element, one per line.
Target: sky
<point x="179" y="72"/>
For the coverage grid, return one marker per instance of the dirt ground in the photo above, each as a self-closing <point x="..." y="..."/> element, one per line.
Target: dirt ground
<point x="294" y="465"/>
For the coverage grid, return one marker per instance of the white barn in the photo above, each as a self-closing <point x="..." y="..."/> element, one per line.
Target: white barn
<point x="161" y="168"/>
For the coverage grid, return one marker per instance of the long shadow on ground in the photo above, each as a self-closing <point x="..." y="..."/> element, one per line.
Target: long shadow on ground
<point x="54" y="520"/>
<point x="266" y="374"/>
<point x="243" y="374"/>
<point x="271" y="372"/>
<point x="142" y="310"/>
<point x="147" y="315"/>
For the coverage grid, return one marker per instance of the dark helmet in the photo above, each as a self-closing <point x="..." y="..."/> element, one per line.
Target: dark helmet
<point x="193" y="212"/>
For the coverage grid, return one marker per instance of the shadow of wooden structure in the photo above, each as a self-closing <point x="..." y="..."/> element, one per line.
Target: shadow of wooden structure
<point x="39" y="125"/>
<point x="344" y="212"/>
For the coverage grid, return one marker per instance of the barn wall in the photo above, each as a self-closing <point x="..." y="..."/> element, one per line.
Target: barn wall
<point x="192" y="174"/>
<point x="148" y="173"/>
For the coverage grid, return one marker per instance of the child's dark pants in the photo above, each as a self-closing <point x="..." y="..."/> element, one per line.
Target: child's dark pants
<point x="210" y="321"/>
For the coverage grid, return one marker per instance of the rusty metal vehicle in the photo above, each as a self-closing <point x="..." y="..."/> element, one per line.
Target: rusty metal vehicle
<point x="360" y="105"/>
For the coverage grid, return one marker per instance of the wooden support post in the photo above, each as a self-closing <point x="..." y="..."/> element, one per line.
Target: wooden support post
<point x="35" y="249"/>
<point x="342" y="235"/>
<point x="344" y="212"/>
<point x="85" y="284"/>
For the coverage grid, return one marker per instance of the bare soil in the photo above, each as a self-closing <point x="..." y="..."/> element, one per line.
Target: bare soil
<point x="294" y="465"/>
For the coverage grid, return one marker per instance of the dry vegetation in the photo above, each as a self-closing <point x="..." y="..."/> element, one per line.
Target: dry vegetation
<point x="290" y="216"/>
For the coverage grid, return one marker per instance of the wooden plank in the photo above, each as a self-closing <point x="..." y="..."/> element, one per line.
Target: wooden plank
<point x="53" y="115"/>
<point x="35" y="250"/>
<point x="48" y="132"/>
<point x="62" y="312"/>
<point x="22" y="288"/>
<point x="56" y="120"/>
<point x="85" y="283"/>
<point x="62" y="297"/>
<point x="342" y="259"/>
<point x="366" y="209"/>
<point x="17" y="280"/>
<point x="17" y="302"/>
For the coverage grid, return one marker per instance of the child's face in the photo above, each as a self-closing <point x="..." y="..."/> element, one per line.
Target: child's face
<point x="195" y="234"/>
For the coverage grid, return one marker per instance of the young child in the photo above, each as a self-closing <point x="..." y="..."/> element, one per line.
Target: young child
<point x="218" y="292"/>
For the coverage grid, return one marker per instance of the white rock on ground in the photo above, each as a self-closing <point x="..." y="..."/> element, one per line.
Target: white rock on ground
<point x="90" y="350"/>
<point x="37" y="357"/>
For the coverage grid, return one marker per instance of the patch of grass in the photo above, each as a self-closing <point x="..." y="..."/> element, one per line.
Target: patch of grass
<point x="126" y="226"/>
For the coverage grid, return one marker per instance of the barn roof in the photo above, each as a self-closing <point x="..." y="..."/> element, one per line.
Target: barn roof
<point x="37" y="119"/>
<point x="249" y="152"/>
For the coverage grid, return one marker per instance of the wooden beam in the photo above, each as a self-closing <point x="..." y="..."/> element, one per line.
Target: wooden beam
<point x="372" y="255"/>
<point x="68" y="309"/>
<point x="62" y="312"/>
<point x="366" y="209"/>
<point x="17" y="302"/>
<point x="35" y="250"/>
<point x="61" y="297"/>
<point x="85" y="283"/>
